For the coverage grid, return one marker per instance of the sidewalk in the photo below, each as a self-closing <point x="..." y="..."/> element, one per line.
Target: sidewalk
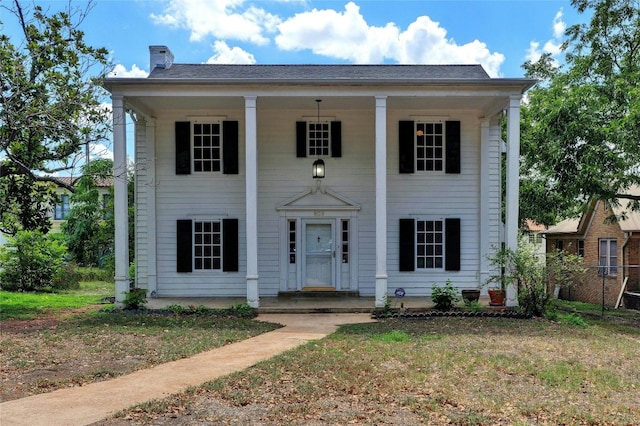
<point x="91" y="403"/>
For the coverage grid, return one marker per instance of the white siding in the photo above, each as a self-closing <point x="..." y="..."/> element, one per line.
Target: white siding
<point x="281" y="176"/>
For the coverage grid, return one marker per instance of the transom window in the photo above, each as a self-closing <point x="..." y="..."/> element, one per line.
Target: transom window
<point x="207" y="245"/>
<point x="62" y="208"/>
<point x="429" y="146"/>
<point x="207" y="147"/>
<point x="318" y="139"/>
<point x="608" y="257"/>
<point x="430" y="244"/>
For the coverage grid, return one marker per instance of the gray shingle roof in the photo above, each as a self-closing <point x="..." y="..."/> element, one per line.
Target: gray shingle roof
<point x="320" y="72"/>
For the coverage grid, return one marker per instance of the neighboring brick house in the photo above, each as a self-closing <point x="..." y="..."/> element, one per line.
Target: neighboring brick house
<point x="534" y="233"/>
<point x="611" y="250"/>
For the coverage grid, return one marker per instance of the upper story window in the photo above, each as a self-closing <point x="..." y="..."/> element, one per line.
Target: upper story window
<point x="429" y="146"/>
<point x="318" y="139"/>
<point x="207" y="147"/>
<point x="63" y="207"/>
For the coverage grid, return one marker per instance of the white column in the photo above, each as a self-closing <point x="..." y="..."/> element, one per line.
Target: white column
<point x="251" y="165"/>
<point x="485" y="198"/>
<point x="513" y="184"/>
<point x="381" y="201"/>
<point x="150" y="190"/>
<point x="120" y="203"/>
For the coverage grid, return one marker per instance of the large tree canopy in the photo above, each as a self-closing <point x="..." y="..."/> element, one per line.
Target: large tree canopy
<point x="581" y="125"/>
<point x="49" y="109"/>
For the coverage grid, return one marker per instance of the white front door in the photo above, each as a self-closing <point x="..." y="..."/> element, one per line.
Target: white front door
<point x="319" y="255"/>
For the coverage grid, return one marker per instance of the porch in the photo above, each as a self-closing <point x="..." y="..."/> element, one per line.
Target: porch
<point x="303" y="304"/>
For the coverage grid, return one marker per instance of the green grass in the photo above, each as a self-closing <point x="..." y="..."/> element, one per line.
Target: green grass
<point x="21" y="305"/>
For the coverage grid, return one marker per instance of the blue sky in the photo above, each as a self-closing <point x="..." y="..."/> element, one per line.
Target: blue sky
<point x="499" y="34"/>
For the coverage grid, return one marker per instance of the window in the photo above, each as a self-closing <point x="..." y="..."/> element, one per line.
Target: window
<point x="318" y="139"/>
<point x="608" y="257"/>
<point x="107" y="206"/>
<point x="581" y="248"/>
<point x="345" y="241"/>
<point x="207" y="147"/>
<point x="62" y="208"/>
<point x="292" y="241"/>
<point x="207" y="245"/>
<point x="430" y="244"/>
<point x="429" y="146"/>
<point x="535" y="238"/>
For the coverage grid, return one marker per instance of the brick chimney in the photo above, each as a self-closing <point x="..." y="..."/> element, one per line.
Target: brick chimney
<point x="160" y="57"/>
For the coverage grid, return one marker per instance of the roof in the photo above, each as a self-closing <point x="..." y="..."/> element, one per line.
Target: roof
<point x="567" y="226"/>
<point x="71" y="181"/>
<point x="630" y="221"/>
<point x="320" y="72"/>
<point x="533" y="226"/>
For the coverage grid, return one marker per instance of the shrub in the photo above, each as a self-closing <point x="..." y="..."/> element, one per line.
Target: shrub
<point x="30" y="260"/>
<point x="135" y="299"/>
<point x="444" y="297"/>
<point x="67" y="277"/>
<point x="533" y="299"/>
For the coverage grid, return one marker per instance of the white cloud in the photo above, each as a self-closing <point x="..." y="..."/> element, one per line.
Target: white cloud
<point x="122" y="72"/>
<point x="230" y="55"/>
<point x="553" y="45"/>
<point x="100" y="151"/>
<point x="346" y="35"/>
<point x="223" y="19"/>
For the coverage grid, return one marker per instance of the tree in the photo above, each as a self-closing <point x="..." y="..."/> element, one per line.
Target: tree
<point x="580" y="127"/>
<point x="89" y="228"/>
<point x="49" y="109"/>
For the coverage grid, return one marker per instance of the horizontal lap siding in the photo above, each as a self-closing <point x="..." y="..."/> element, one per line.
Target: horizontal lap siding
<point x="198" y="195"/>
<point x="282" y="175"/>
<point x="435" y="195"/>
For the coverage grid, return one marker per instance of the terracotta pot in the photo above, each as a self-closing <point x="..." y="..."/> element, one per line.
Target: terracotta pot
<point x="496" y="297"/>
<point x="470" y="295"/>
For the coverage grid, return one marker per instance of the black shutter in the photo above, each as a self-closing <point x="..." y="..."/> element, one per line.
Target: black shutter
<point x="452" y="244"/>
<point x="406" y="145"/>
<point x="336" y="139"/>
<point x="183" y="147"/>
<point x="230" y="147"/>
<point x="407" y="245"/>
<point x="452" y="159"/>
<point x="301" y="138"/>
<point x="230" y="245"/>
<point x="184" y="246"/>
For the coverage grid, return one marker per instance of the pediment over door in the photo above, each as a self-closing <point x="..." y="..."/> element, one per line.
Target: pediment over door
<point x="318" y="199"/>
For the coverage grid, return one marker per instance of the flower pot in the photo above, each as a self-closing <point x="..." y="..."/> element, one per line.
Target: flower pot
<point x="469" y="296"/>
<point x="496" y="297"/>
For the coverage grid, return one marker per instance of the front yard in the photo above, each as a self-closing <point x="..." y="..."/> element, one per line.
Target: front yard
<point x="464" y="371"/>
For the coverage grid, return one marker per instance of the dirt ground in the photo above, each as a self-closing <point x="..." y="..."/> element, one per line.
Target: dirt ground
<point x="28" y="372"/>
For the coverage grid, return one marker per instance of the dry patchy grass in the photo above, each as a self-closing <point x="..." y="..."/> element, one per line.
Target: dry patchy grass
<point x="464" y="371"/>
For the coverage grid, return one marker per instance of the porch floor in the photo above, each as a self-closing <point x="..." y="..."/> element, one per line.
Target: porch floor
<point x="302" y="304"/>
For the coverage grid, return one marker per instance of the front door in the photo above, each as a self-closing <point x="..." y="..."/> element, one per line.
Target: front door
<point x="319" y="255"/>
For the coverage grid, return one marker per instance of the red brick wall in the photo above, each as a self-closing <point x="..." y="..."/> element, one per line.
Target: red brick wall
<point x="591" y="289"/>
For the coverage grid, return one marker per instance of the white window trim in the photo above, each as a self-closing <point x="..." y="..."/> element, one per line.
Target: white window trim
<point x="206" y="120"/>
<point x="415" y="147"/>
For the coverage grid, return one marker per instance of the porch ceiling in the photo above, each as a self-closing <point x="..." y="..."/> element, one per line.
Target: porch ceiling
<point x="151" y="105"/>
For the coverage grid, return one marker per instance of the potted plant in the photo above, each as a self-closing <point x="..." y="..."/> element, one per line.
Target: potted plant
<point x="504" y="260"/>
<point x="470" y="295"/>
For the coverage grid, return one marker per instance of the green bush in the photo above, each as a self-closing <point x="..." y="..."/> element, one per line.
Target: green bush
<point x="533" y="299"/>
<point x="135" y="299"/>
<point x="444" y="297"/>
<point x="66" y="278"/>
<point x="30" y="261"/>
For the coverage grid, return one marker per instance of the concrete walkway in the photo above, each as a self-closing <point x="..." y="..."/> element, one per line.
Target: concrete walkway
<point x="91" y="403"/>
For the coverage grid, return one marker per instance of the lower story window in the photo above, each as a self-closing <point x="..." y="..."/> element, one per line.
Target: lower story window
<point x="207" y="245"/>
<point x="608" y="257"/>
<point x="430" y="244"/>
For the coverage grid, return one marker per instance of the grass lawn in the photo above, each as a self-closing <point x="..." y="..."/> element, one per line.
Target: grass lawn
<point x="461" y="371"/>
<point x="21" y="305"/>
